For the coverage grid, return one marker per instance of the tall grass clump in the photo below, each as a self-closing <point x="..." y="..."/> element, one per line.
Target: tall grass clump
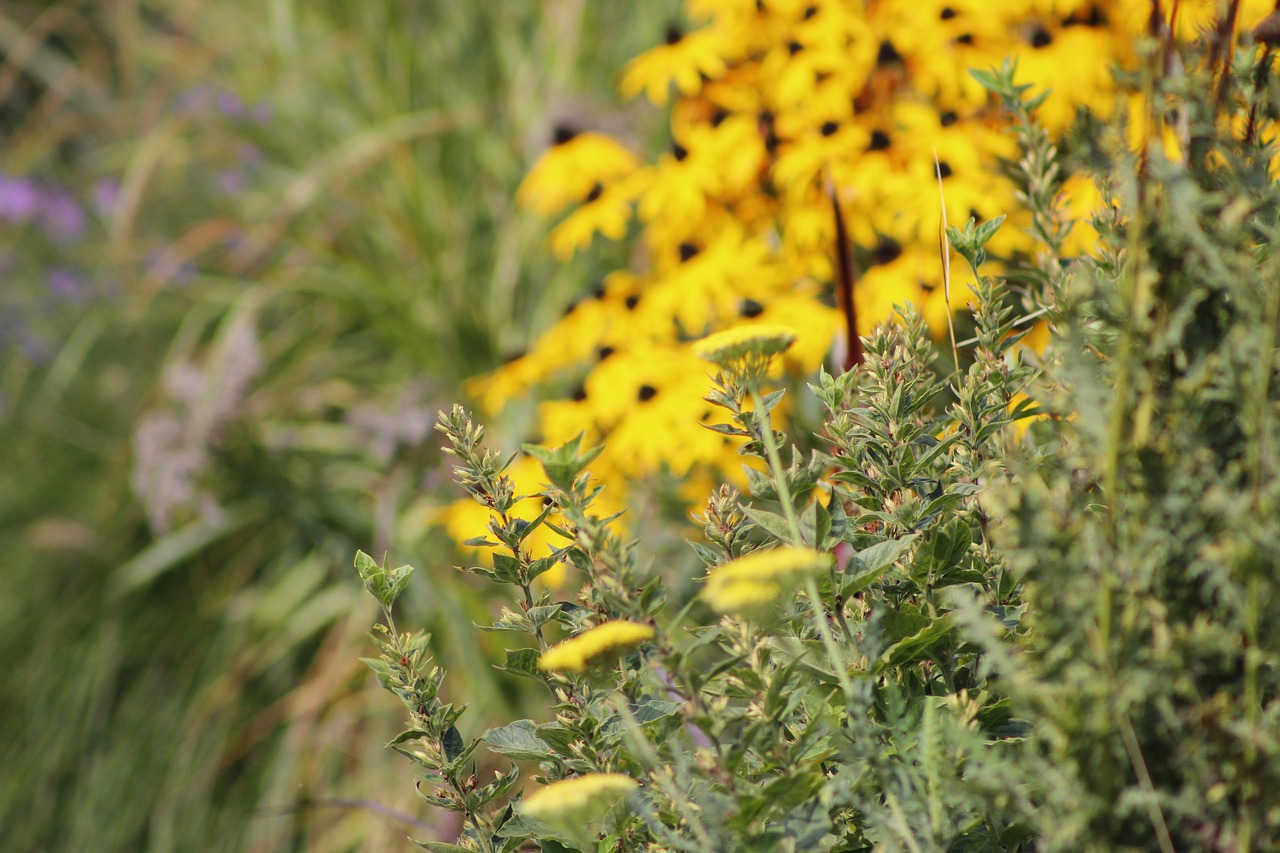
<point x="1013" y="602"/>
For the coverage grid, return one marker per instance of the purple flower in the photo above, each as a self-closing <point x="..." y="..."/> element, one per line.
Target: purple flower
<point x="232" y="181"/>
<point x="61" y="216"/>
<point x="19" y="198"/>
<point x="262" y="112"/>
<point x="105" y="194"/>
<point x="230" y="105"/>
<point x="64" y="284"/>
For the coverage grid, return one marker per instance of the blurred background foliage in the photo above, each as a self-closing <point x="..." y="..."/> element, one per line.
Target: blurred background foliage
<point x="248" y="249"/>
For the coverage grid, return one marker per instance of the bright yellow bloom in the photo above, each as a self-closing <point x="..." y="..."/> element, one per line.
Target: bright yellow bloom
<point x="607" y="211"/>
<point x="570" y="171"/>
<point x="759" y="578"/>
<point x="684" y="60"/>
<point x="575" y="653"/>
<point x="569" y="798"/>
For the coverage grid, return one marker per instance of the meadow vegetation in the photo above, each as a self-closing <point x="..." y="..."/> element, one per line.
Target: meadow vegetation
<point x="990" y="595"/>
<point x="868" y="438"/>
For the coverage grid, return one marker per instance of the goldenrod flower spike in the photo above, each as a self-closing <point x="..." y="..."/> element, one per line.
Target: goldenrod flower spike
<point x="757" y="579"/>
<point x="570" y="797"/>
<point x="733" y="345"/>
<point x="575" y="653"/>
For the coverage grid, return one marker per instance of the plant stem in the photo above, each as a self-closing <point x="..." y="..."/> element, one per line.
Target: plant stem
<point x="834" y="658"/>
<point x="775" y="466"/>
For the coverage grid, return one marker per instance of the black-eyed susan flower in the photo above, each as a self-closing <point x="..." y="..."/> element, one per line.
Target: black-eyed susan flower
<point x="684" y="59"/>
<point x="759" y="579"/>
<point x="607" y="638"/>
<point x="606" y="210"/>
<point x="569" y="171"/>
<point x="779" y="108"/>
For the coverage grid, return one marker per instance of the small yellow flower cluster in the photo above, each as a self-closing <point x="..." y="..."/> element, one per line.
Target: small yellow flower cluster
<point x="569" y="798"/>
<point x="758" y="579"/>
<point x="732" y="345"/>
<point x="576" y="653"/>
<point x="786" y="111"/>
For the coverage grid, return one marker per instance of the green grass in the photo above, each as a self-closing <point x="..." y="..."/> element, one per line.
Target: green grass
<point x="196" y="687"/>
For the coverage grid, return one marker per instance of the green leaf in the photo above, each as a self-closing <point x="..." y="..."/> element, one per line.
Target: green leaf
<point x="531" y="526"/>
<point x="563" y="464"/>
<point x="808" y="524"/>
<point x="771" y="523"/>
<point x="518" y="741"/>
<point x="898" y="624"/>
<point x="822" y="525"/>
<point x="522" y="662"/>
<point x="918" y="645"/>
<point x="560" y="738"/>
<point x="543" y="565"/>
<point x="944" y="551"/>
<point x="441" y="847"/>
<point x="541" y="615"/>
<point x="986" y="79"/>
<point x="453" y="743"/>
<point x="727" y="429"/>
<point x="652" y="710"/>
<point x="867" y="565"/>
<point x="487" y="574"/>
<point x="408" y="734"/>
<point x="987" y="230"/>
<point x="506" y="567"/>
<point x="760" y="483"/>
<point x="365" y="565"/>
<point x="708" y="556"/>
<point x="383" y="584"/>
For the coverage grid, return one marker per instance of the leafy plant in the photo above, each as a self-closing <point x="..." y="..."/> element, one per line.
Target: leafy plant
<point x="815" y="688"/>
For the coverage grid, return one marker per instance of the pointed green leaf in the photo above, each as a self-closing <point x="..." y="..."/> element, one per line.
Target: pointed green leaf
<point x="522" y="662"/>
<point x="918" y="645"/>
<point x="772" y="523"/>
<point x="518" y="741"/>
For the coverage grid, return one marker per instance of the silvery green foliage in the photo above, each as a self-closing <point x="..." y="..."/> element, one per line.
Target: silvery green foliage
<point x="1147" y="536"/>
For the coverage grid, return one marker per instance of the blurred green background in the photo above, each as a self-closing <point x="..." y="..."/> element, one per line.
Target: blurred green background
<point x="248" y="248"/>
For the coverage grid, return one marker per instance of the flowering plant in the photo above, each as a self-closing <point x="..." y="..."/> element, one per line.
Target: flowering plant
<point x="958" y="619"/>
<point x="740" y="717"/>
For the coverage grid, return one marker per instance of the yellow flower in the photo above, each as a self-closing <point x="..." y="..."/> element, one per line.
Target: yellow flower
<point x="757" y="579"/>
<point x="575" y="653"/>
<point x="570" y="797"/>
<point x="685" y="59"/>
<point x="570" y="170"/>
<point x="607" y="210"/>
<point x="733" y="345"/>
